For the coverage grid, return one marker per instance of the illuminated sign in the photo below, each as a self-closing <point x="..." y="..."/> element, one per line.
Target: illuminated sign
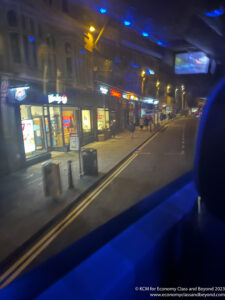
<point x="56" y="98"/>
<point x="104" y="90"/>
<point x="20" y="93"/>
<point x="149" y="100"/>
<point x="115" y="93"/>
<point x="28" y="136"/>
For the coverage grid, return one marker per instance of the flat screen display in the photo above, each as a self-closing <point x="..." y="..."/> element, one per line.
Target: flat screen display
<point x="191" y="63"/>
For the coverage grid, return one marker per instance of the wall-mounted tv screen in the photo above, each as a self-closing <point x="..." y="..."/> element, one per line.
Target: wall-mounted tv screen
<point x="191" y="63"/>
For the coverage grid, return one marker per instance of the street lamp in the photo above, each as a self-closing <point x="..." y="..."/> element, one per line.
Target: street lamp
<point x="91" y="28"/>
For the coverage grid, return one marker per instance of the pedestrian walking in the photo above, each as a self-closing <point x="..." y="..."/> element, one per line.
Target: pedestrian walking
<point x="113" y="128"/>
<point x="141" y="123"/>
<point x="146" y="121"/>
<point x="150" y="122"/>
<point x="132" y="129"/>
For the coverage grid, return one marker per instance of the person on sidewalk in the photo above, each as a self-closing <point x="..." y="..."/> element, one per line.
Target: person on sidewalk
<point x="141" y="123"/>
<point x="146" y="121"/>
<point x="150" y="122"/>
<point x="132" y="129"/>
<point x="113" y="128"/>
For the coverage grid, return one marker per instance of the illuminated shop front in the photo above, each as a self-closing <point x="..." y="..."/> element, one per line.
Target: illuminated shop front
<point x="48" y="121"/>
<point x="102" y="119"/>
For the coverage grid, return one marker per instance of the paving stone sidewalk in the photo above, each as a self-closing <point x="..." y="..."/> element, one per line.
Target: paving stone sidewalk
<point x="24" y="209"/>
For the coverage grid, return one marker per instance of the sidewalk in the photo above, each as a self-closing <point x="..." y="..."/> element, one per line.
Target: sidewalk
<point x="24" y="209"/>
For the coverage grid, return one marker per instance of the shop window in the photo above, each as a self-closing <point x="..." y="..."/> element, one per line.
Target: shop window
<point x="26" y="49"/>
<point x="12" y="18"/>
<point x="69" y="69"/>
<point x="102" y="118"/>
<point x="15" y="47"/>
<point x="56" y="126"/>
<point x="69" y="123"/>
<point x="86" y="120"/>
<point x="33" y="130"/>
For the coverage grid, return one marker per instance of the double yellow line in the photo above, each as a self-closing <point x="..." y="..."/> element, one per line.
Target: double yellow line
<point x="10" y="274"/>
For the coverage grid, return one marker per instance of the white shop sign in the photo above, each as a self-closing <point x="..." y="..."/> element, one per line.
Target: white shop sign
<point x="74" y="142"/>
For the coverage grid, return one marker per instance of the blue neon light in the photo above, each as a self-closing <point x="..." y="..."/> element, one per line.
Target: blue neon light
<point x="160" y="43"/>
<point x="31" y="38"/>
<point x="145" y="34"/>
<point x="103" y="10"/>
<point x="117" y="60"/>
<point x="134" y="65"/>
<point x="82" y="51"/>
<point x="126" y="23"/>
<point x="215" y="13"/>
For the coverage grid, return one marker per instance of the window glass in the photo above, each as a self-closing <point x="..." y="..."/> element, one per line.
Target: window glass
<point x="12" y="18"/>
<point x="15" y="47"/>
<point x="24" y="22"/>
<point x="102" y="118"/>
<point x="26" y="49"/>
<point x="69" y="123"/>
<point x="33" y="130"/>
<point x="34" y="51"/>
<point x="69" y="70"/>
<point x="86" y="120"/>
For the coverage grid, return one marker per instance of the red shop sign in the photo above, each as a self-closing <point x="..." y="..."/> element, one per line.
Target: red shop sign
<point x="115" y="93"/>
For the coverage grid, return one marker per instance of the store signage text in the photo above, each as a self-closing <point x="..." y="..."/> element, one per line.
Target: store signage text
<point x="56" y="98"/>
<point x="115" y="93"/>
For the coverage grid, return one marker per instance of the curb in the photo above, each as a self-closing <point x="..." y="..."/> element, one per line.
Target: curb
<point x="8" y="261"/>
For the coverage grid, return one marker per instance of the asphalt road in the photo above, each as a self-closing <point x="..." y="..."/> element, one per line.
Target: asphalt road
<point x="166" y="157"/>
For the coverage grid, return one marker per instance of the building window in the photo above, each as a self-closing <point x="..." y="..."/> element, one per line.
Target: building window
<point x="12" y="18"/>
<point x="34" y="51"/>
<point x="102" y="118"/>
<point x="86" y="120"/>
<point x="32" y="29"/>
<point x="26" y="49"/>
<point x="40" y="33"/>
<point x="69" y="69"/>
<point x="65" y="6"/>
<point x="24" y="22"/>
<point x="15" y="47"/>
<point x="67" y="48"/>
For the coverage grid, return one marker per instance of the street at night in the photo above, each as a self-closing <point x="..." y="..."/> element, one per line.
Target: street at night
<point x="112" y="149"/>
<point x="167" y="156"/>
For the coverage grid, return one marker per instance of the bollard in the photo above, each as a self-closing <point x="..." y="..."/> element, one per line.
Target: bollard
<point x="70" y="176"/>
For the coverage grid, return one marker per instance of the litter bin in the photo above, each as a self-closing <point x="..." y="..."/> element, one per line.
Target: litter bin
<point x="51" y="179"/>
<point x="90" y="162"/>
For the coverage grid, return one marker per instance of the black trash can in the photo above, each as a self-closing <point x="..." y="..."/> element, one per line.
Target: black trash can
<point x="90" y="162"/>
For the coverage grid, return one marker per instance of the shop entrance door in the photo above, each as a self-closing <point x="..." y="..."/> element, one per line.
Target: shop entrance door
<point x="39" y="134"/>
<point x="47" y="131"/>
